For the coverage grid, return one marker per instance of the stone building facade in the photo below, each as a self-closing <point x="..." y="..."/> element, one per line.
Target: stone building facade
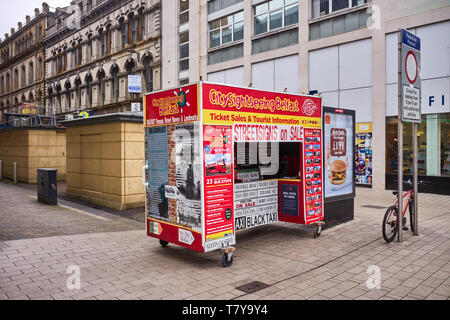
<point x="22" y="59"/>
<point x="91" y="48"/>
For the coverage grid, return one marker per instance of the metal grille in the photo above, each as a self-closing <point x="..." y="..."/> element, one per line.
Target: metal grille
<point x="373" y="207"/>
<point x="253" y="287"/>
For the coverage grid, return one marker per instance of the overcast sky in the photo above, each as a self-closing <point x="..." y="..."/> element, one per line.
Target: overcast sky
<point x="13" y="11"/>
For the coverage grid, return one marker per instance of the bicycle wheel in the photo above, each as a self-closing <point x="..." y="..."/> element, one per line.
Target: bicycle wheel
<point x="412" y="217"/>
<point x="390" y="225"/>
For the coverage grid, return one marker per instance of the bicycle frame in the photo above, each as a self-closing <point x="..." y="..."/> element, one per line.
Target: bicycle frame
<point x="408" y="194"/>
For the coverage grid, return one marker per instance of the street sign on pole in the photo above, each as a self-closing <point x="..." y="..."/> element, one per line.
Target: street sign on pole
<point x="411" y="82"/>
<point x="409" y="106"/>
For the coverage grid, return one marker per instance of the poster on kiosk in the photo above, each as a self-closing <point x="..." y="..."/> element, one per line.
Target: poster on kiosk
<point x="220" y="159"/>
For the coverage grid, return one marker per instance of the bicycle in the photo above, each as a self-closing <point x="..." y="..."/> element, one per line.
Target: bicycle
<point x="390" y="221"/>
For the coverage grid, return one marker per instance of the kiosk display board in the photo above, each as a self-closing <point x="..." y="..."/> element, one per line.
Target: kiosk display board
<point x="339" y="132"/>
<point x="223" y="158"/>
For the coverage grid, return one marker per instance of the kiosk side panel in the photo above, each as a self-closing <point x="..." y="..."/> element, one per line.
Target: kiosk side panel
<point x="174" y="194"/>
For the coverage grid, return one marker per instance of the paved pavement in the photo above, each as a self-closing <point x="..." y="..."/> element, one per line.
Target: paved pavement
<point x="23" y="217"/>
<point x="285" y="257"/>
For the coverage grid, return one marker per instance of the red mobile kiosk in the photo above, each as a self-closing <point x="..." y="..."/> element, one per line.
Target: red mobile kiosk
<point x="223" y="158"/>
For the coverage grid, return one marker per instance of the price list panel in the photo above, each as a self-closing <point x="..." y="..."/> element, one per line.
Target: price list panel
<point x="313" y="175"/>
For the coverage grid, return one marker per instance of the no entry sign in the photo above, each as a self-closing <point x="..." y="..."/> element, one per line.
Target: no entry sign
<point x="411" y="82"/>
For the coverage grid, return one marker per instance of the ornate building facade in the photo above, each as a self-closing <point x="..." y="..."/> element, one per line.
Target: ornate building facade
<point x="92" y="46"/>
<point x="22" y="59"/>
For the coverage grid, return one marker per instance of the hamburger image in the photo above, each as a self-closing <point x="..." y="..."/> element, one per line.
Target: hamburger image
<point x="338" y="170"/>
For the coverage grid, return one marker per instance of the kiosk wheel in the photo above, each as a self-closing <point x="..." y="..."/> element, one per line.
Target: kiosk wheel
<point x="227" y="259"/>
<point x="317" y="232"/>
<point x="163" y="243"/>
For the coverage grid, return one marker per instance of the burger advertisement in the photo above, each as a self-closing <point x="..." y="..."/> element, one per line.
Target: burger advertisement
<point x="338" y="154"/>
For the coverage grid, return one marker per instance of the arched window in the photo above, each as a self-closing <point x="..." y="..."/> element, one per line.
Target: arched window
<point x="88" y="81"/>
<point x="16" y="79"/>
<point x="2" y="85"/>
<point x="78" y="89"/>
<point x="30" y="97"/>
<point x="39" y="69"/>
<point x="115" y="92"/>
<point x="148" y="73"/>
<point x="24" y="77"/>
<point x="68" y="99"/>
<point x="31" y="73"/>
<point x="106" y="41"/>
<point x="58" y="97"/>
<point x="124" y="30"/>
<point x="101" y="81"/>
<point x="8" y="83"/>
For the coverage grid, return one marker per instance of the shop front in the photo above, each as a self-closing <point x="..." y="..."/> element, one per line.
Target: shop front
<point x="433" y="153"/>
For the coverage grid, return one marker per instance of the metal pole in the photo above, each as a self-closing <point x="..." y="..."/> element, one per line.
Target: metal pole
<point x="15" y="172"/>
<point x="400" y="141"/>
<point x="1" y="169"/>
<point x="415" y="181"/>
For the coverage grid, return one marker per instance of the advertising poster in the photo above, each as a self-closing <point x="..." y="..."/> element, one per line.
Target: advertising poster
<point x="172" y="107"/>
<point x="339" y="154"/>
<point x="188" y="176"/>
<point x="363" y="154"/>
<point x="313" y="173"/>
<point x="157" y="150"/>
<point x="218" y="173"/>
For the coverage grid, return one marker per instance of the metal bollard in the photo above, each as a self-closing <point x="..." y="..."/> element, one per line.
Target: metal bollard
<point x="1" y="169"/>
<point x="15" y="172"/>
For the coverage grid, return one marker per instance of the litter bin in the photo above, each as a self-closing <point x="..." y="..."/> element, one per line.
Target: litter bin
<point x="47" y="188"/>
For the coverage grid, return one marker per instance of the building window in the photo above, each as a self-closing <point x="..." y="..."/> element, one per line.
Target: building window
<point x="148" y="74"/>
<point x="61" y="62"/>
<point x="68" y="98"/>
<point x="322" y="8"/>
<point x="77" y="55"/>
<point x="2" y="85"/>
<point x="78" y="92"/>
<point x="124" y="29"/>
<point x="184" y="12"/>
<point x="106" y="41"/>
<point x="16" y="79"/>
<point x="101" y="79"/>
<point x="8" y="83"/>
<point x="184" y="50"/>
<point x="275" y="14"/>
<point x="225" y="54"/>
<point x="216" y="5"/>
<point x="24" y="77"/>
<point x="275" y="41"/>
<point x="226" y="30"/>
<point x="31" y="72"/>
<point x="115" y="92"/>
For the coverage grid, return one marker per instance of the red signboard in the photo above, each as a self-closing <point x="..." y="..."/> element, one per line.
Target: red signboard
<point x="228" y="105"/>
<point x="172" y="106"/>
<point x="219" y="218"/>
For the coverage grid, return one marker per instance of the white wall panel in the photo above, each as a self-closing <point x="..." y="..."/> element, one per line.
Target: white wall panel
<point x="286" y="74"/>
<point x="391" y="100"/>
<point x="355" y="64"/>
<point x="263" y="75"/>
<point x="323" y="69"/>
<point x="391" y="58"/>
<point x="330" y="99"/>
<point x="235" y="76"/>
<point x="435" y="41"/>
<point x="359" y="100"/>
<point x="218" y="77"/>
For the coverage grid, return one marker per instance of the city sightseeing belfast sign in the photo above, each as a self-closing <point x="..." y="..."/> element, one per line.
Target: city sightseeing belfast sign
<point x="180" y="106"/>
<point x="227" y="105"/>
